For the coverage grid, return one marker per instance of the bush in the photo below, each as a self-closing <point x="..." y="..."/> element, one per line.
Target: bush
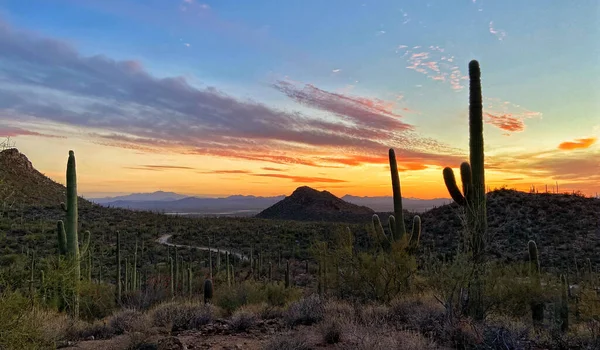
<point x="23" y="327"/>
<point x="305" y="311"/>
<point x="127" y="321"/>
<point x="96" y="300"/>
<point x="242" y="320"/>
<point x="179" y="317"/>
<point x="251" y="292"/>
<point x="331" y="331"/>
<point x="287" y="343"/>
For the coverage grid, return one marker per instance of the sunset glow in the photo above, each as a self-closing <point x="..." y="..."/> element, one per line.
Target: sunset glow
<point x="228" y="97"/>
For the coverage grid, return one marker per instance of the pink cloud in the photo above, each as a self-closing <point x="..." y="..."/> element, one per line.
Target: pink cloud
<point x="9" y="131"/>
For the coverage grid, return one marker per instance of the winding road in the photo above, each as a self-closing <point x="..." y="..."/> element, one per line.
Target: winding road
<point x="164" y="239"/>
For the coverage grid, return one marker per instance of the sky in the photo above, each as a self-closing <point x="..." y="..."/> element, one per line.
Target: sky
<point x="223" y="97"/>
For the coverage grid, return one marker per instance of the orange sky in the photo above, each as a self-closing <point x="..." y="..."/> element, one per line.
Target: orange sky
<point x="206" y="99"/>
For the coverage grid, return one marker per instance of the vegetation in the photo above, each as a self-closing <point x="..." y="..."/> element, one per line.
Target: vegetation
<point x="493" y="270"/>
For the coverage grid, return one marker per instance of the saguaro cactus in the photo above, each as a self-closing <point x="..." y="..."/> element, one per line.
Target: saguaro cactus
<point x="119" y="284"/>
<point x="537" y="306"/>
<point x="67" y="234"/>
<point x="172" y="277"/>
<point x="400" y="230"/>
<point x="208" y="290"/>
<point x="472" y="174"/>
<point x="564" y="304"/>
<point x="473" y="197"/>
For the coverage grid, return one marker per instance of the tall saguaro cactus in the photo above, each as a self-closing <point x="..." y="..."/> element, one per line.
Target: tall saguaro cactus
<point x="473" y="197"/>
<point x="119" y="285"/>
<point x="537" y="306"/>
<point x="400" y="229"/>
<point x="67" y="235"/>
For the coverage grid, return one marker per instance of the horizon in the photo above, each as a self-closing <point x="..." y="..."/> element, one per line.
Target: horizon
<point x="213" y="99"/>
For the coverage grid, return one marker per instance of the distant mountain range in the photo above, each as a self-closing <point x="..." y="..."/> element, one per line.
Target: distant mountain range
<point x="158" y="196"/>
<point x="240" y="205"/>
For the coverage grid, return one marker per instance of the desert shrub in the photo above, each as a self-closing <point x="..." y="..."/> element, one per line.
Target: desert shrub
<point x="96" y="300"/>
<point x="420" y="313"/>
<point x="332" y="330"/>
<point x="504" y="332"/>
<point x="379" y="274"/>
<point x="410" y="340"/>
<point x="242" y="320"/>
<point x="178" y="316"/>
<point x="305" y="311"/>
<point x="84" y="330"/>
<point x="251" y="292"/>
<point x="24" y="327"/>
<point x="340" y="309"/>
<point x="373" y="315"/>
<point x="126" y="321"/>
<point x="287" y="342"/>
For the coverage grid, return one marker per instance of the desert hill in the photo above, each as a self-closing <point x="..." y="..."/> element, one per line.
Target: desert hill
<point x="24" y="186"/>
<point x="308" y="204"/>
<point x="566" y="227"/>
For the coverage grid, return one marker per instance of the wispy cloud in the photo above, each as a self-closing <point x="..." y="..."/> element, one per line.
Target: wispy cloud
<point x="499" y="33"/>
<point x="123" y="105"/>
<point x="434" y="63"/>
<point x="438" y="65"/>
<point x="578" y="144"/>
<point x="581" y="165"/>
<point x="302" y="179"/>
<point x="160" y="167"/>
<point x="9" y="131"/>
<point x="505" y="122"/>
<point x="234" y="171"/>
<point x="267" y="168"/>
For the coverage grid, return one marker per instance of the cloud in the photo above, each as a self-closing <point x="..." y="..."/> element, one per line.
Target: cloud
<point x="499" y="33"/>
<point x="577" y="144"/>
<point x="160" y="167"/>
<point x="267" y="168"/>
<point x="10" y="131"/>
<point x="438" y="65"/>
<point x="336" y="70"/>
<point x="141" y="168"/>
<point x="582" y="164"/>
<point x="225" y="172"/>
<point x="434" y="63"/>
<point x="119" y="103"/>
<point x="505" y="122"/>
<point x="360" y="111"/>
<point x="302" y="179"/>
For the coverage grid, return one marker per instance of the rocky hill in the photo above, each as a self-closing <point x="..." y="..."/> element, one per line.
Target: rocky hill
<point x="566" y="227"/>
<point x="21" y="185"/>
<point x="308" y="204"/>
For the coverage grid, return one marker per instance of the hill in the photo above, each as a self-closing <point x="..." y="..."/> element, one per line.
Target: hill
<point x="566" y="227"/>
<point x="24" y="186"/>
<point x="308" y="204"/>
<point x="386" y="203"/>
